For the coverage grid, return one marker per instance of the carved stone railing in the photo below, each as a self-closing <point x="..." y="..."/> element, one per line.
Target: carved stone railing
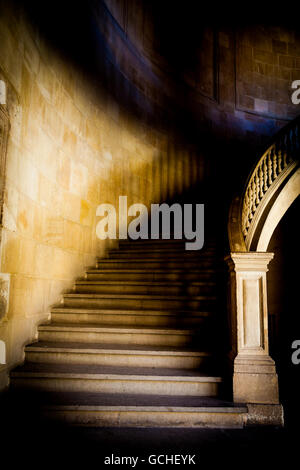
<point x="275" y="165"/>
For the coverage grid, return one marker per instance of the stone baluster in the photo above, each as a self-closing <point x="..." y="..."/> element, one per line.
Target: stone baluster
<point x="250" y="204"/>
<point x="274" y="163"/>
<point x="261" y="181"/>
<point x="253" y="198"/>
<point x="269" y="169"/>
<point x="279" y="153"/>
<point x="265" y="174"/>
<point x="248" y="209"/>
<point x="256" y="183"/>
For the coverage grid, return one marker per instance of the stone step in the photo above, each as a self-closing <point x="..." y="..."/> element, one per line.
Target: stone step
<point x="151" y="242"/>
<point x="105" y="379"/>
<point x="141" y="248"/>
<point x="166" y="254"/>
<point x="150" y="275"/>
<point x="162" y="244"/>
<point x="100" y="409"/>
<point x="118" y="335"/>
<point x="131" y="317"/>
<point x="116" y="355"/>
<point x="147" y="263"/>
<point x="147" y="416"/>
<point x="129" y="346"/>
<point x="139" y="302"/>
<point x="145" y="287"/>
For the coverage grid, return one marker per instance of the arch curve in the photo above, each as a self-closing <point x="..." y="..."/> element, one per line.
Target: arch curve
<point x="286" y="197"/>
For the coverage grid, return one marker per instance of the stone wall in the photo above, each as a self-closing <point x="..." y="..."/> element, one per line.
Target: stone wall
<point x="233" y="73"/>
<point x="70" y="148"/>
<point x="268" y="61"/>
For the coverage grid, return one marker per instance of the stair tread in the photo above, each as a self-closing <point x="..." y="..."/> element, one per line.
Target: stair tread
<point x="168" y="251"/>
<point x="93" y="327"/>
<point x="153" y="271"/>
<point x="163" y="241"/>
<point x="145" y="283"/>
<point x="128" y="312"/>
<point x="140" y="296"/>
<point x="211" y="240"/>
<point x="179" y="259"/>
<point x="118" y="400"/>
<point x="39" y="369"/>
<point x="164" y="254"/>
<point x="113" y="347"/>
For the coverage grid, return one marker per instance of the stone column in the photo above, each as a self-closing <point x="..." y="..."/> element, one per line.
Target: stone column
<point x="254" y="374"/>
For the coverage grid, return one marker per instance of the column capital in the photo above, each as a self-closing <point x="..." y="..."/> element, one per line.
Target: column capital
<point x="249" y="261"/>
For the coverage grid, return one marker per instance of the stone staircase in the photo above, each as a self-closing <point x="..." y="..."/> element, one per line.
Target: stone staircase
<point x="133" y="343"/>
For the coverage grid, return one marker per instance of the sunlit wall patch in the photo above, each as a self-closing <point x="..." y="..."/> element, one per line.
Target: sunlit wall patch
<point x="2" y="92"/>
<point x="2" y="352"/>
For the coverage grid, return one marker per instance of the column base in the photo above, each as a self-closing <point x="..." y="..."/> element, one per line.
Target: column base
<point x="264" y="415"/>
<point x="255" y="380"/>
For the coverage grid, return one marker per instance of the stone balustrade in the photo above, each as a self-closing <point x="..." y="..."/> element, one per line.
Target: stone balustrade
<point x="272" y="169"/>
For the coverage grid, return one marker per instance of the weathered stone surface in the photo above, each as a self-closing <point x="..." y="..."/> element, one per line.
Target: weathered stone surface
<point x="268" y="415"/>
